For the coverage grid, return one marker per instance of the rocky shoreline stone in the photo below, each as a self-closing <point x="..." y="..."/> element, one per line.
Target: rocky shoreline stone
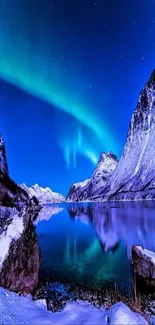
<point x="19" y="251"/>
<point x="143" y="262"/>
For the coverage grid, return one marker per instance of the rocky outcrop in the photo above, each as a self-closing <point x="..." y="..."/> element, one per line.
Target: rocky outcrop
<point x="43" y="194"/>
<point x="11" y="194"/>
<point x="143" y="261"/>
<point x="19" y="251"/>
<point x="87" y="189"/>
<point x="134" y="176"/>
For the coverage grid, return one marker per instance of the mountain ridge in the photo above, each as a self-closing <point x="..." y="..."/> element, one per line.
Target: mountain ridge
<point x="43" y="194"/>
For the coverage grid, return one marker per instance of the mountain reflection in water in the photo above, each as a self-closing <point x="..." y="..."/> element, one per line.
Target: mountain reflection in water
<point x="91" y="243"/>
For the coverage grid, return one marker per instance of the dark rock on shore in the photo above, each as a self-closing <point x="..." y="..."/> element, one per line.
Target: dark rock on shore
<point x="143" y="262"/>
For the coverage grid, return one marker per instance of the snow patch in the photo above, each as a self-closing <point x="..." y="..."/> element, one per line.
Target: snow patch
<point x="120" y="314"/>
<point x="148" y="253"/>
<point x="82" y="184"/>
<point x="13" y="231"/>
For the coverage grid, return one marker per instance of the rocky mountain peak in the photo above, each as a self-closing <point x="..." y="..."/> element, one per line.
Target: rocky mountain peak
<point x="143" y="116"/>
<point x="107" y="155"/>
<point x="86" y="189"/>
<point x="106" y="164"/>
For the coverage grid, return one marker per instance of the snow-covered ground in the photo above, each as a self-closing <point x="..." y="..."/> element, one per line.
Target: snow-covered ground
<point x="18" y="310"/>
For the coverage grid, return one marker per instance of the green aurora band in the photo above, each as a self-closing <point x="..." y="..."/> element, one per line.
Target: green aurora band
<point x="37" y="85"/>
<point x="28" y="64"/>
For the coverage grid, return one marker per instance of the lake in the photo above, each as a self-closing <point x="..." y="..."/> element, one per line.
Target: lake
<point x="91" y="243"/>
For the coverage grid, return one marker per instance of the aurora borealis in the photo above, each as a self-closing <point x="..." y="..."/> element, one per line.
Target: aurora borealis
<point x="69" y="82"/>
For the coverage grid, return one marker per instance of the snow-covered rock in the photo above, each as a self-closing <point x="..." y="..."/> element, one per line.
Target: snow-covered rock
<point x="43" y="194"/>
<point x="134" y="176"/>
<point x="143" y="261"/>
<point x="13" y="232"/>
<point x="19" y="251"/>
<point x="86" y="190"/>
<point x="120" y="314"/>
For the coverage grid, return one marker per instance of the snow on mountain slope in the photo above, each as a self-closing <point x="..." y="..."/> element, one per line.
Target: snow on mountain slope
<point x="85" y="190"/>
<point x="44" y="195"/>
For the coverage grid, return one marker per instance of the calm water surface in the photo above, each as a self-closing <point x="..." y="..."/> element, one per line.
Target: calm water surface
<point x="91" y="243"/>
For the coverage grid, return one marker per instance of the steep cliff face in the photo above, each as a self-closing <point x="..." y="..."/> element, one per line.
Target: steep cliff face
<point x="3" y="160"/>
<point x="19" y="251"/>
<point x="77" y="191"/>
<point x="87" y="189"/>
<point x="11" y="194"/>
<point x="134" y="177"/>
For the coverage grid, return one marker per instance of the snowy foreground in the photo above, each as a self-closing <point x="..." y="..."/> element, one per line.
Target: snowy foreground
<point x="20" y="310"/>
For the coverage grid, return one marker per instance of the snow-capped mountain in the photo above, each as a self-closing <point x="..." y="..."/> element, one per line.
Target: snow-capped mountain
<point x="85" y="190"/>
<point x="44" y="195"/>
<point x="134" y="177"/>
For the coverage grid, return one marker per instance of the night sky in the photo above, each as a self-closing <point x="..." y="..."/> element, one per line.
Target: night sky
<point x="70" y="75"/>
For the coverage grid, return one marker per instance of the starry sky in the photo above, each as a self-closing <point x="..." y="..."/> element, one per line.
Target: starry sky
<point x="70" y="75"/>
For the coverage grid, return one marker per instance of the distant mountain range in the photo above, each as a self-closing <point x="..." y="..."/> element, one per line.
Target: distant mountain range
<point x="43" y="195"/>
<point x="134" y="176"/>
